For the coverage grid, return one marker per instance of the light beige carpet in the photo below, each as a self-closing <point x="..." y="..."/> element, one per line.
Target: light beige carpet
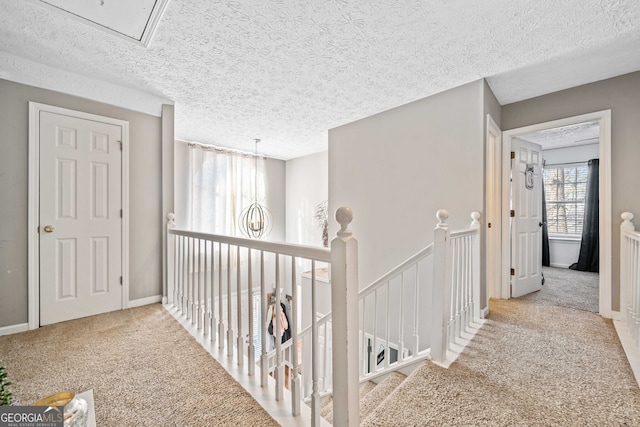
<point x="531" y="364"/>
<point x="568" y="288"/>
<point x="143" y="367"/>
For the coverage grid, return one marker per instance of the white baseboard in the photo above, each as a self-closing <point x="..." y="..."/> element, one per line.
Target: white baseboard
<point x="629" y="346"/>
<point x="14" y="329"/>
<point x="145" y="301"/>
<point x="485" y="312"/>
<point x="553" y="264"/>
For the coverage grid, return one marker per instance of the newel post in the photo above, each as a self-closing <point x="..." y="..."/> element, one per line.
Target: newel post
<point x="171" y="259"/>
<point x="344" y="307"/>
<point x="441" y="288"/>
<point x="626" y="225"/>
<point x="475" y="265"/>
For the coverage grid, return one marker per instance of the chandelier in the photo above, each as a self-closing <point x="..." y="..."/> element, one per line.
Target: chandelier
<point x="255" y="219"/>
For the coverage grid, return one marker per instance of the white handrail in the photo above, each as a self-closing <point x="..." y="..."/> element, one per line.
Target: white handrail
<point x="417" y="257"/>
<point x="289" y="249"/>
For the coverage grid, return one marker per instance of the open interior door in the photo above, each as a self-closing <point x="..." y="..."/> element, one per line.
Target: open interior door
<point x="526" y="217"/>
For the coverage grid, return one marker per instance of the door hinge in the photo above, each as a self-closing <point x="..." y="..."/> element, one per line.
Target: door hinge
<point x="513" y="272"/>
<point x="121" y="144"/>
<point x="512" y="213"/>
<point x="121" y="280"/>
<point x="38" y="229"/>
<point x="120" y="213"/>
<point x="513" y="154"/>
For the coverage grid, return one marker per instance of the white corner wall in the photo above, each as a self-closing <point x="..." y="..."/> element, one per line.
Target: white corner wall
<point x="307" y="186"/>
<point x="397" y="168"/>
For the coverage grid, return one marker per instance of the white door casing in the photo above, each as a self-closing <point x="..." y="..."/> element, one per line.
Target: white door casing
<point x="526" y="220"/>
<point x="77" y="186"/>
<point x="494" y="211"/>
<point x="604" y="119"/>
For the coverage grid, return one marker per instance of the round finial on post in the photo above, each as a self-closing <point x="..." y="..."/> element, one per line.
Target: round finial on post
<point x="442" y="216"/>
<point x="475" y="217"/>
<point x="344" y="216"/>
<point x="626" y="221"/>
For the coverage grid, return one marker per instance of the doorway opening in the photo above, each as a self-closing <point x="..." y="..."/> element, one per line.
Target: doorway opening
<point x="603" y="121"/>
<point x="569" y="214"/>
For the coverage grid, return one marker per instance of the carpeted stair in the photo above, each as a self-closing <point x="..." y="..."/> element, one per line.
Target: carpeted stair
<point x="372" y="395"/>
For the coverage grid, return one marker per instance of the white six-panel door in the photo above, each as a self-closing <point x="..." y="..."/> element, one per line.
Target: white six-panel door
<point x="80" y="217"/>
<point x="526" y="230"/>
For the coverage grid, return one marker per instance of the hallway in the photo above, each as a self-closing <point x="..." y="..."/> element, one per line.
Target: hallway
<point x="533" y="363"/>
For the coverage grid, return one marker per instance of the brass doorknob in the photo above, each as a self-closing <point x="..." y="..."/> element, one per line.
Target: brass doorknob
<point x="49" y="228"/>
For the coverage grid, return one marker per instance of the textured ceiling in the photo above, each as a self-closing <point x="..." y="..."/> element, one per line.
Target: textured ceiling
<point x="565" y="136"/>
<point x="286" y="71"/>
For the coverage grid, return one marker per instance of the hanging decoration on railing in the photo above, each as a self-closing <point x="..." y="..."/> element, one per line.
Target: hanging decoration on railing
<point x="255" y="219"/>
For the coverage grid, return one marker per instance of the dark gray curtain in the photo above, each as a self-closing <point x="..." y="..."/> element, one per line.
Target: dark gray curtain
<point x="589" y="260"/>
<point x="546" y="258"/>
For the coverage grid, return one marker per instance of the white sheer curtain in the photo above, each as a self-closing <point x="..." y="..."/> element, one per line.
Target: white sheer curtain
<point x="220" y="185"/>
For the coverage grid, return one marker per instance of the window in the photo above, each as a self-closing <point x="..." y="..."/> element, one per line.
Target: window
<point x="565" y="187"/>
<point x="221" y="183"/>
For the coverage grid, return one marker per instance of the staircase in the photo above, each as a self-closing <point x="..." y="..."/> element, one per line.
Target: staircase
<point x="372" y="395"/>
<point x="427" y="308"/>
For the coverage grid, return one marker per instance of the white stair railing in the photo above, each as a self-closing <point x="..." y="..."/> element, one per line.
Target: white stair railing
<point x="415" y="311"/>
<point x="211" y="282"/>
<point x="630" y="276"/>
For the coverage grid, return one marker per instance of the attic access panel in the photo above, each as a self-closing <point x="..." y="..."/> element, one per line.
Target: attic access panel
<point x="133" y="20"/>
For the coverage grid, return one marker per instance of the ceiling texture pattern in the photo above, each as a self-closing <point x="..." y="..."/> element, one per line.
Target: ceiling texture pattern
<point x="287" y="71"/>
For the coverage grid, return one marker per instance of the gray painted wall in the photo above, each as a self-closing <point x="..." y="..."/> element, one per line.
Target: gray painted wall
<point x="145" y="193"/>
<point x="397" y="168"/>
<point x="622" y="96"/>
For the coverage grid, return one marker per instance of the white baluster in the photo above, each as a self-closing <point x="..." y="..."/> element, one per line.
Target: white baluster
<point x="372" y="355"/>
<point x="315" y="350"/>
<point x="264" y="360"/>
<point x="198" y="286"/>
<point x="240" y="338"/>
<point x="363" y="355"/>
<point x="181" y="256"/>
<point x="475" y="267"/>
<point x="387" y="331"/>
<point x="401" y="320"/>
<point x="251" y="350"/>
<point x="229" y="310"/>
<point x="192" y="282"/>
<point x="205" y="290"/>
<point x="212" y="319"/>
<point x="344" y="296"/>
<point x="416" y="322"/>
<point x="277" y="329"/>
<point x="293" y="327"/>
<point x="220" y="300"/>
